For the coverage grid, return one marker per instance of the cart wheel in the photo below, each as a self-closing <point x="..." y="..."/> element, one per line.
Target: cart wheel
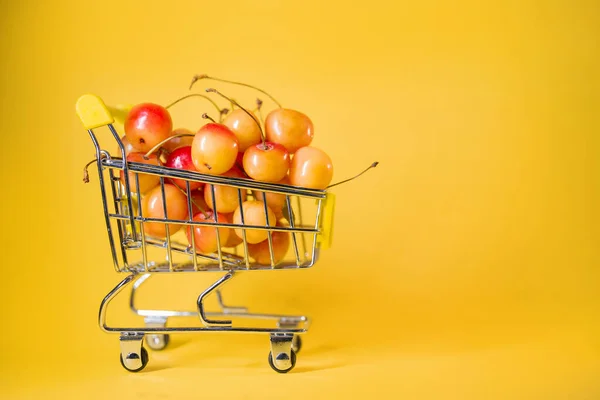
<point x="283" y="371"/>
<point x="296" y="343"/>
<point x="144" y="360"/>
<point x="158" y="341"/>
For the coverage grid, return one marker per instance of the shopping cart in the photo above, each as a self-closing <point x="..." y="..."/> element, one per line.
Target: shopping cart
<point x="310" y="218"/>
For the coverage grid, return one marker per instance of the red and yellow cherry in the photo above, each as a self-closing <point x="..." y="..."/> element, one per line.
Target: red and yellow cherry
<point x="128" y="147"/>
<point x="146" y="125"/>
<point x="290" y="128"/>
<point x="226" y="197"/>
<point x="311" y="168"/>
<point x="214" y="149"/>
<point x="244" y="127"/>
<point x="260" y="251"/>
<point x="254" y="214"/>
<point x="266" y="162"/>
<point x="205" y="237"/>
<point x="233" y="239"/>
<point x="146" y="181"/>
<point x="152" y="207"/>
<point x="275" y="201"/>
<point x="181" y="158"/>
<point x="179" y="141"/>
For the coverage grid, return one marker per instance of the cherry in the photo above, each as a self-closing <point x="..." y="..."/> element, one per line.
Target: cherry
<point x="244" y="127"/>
<point x="205" y="237"/>
<point x="227" y="197"/>
<point x="152" y="207"/>
<point x="290" y="128"/>
<point x="275" y="201"/>
<point x="179" y="141"/>
<point x="146" y="125"/>
<point x="260" y="251"/>
<point x="181" y="158"/>
<point x="267" y="162"/>
<point x="311" y="168"/>
<point x="233" y="239"/>
<point x="254" y="214"/>
<point x="214" y="149"/>
<point x="128" y="147"/>
<point x="147" y="181"/>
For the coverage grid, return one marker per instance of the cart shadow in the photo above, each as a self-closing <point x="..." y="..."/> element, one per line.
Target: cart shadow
<point x="155" y="367"/>
<point x="323" y="349"/>
<point x="300" y="369"/>
<point x="175" y="343"/>
<point x="314" y="368"/>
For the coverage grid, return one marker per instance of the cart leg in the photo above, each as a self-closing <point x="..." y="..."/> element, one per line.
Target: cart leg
<point x="138" y="282"/>
<point x="282" y="357"/>
<point x="134" y="356"/>
<point x="156" y="341"/>
<point x="209" y="322"/>
<point x="106" y="301"/>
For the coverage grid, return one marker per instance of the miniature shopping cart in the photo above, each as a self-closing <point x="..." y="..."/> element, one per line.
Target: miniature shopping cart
<point x="309" y="213"/>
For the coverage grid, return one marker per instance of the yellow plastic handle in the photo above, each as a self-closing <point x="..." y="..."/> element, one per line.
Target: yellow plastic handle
<point x="120" y="111"/>
<point x="325" y="238"/>
<point x="92" y="112"/>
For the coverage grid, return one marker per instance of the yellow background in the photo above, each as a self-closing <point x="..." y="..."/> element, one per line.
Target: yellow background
<point x="465" y="266"/>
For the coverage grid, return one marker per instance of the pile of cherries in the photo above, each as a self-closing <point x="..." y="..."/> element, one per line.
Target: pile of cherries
<point x="236" y="146"/>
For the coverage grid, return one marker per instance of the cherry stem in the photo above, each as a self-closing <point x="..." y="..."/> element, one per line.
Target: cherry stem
<point x="262" y="135"/>
<point x="206" y="116"/>
<point x="224" y="112"/>
<point x="152" y="150"/>
<point x="86" y="175"/>
<point x="204" y="76"/>
<point x="354" y="177"/>
<point x="259" y="104"/>
<point x="194" y="95"/>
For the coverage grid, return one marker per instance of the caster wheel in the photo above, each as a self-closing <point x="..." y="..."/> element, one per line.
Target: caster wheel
<point x="144" y="356"/>
<point x="297" y="344"/>
<point x="158" y="341"/>
<point x="283" y="371"/>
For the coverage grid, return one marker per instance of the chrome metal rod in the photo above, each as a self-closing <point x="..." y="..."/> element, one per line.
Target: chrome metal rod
<point x="221" y="224"/>
<point x="120" y="224"/>
<point x="111" y="239"/>
<point x="269" y="235"/>
<point x="142" y="231"/>
<point x="207" y="322"/>
<point x="244" y="241"/>
<point x="241" y="183"/>
<point x="192" y="230"/>
<point x="292" y="225"/>
<point x="217" y="230"/>
<point x="167" y="228"/>
<point x="225" y="310"/>
<point x="106" y="301"/>
<point x="228" y="309"/>
<point x="125" y="174"/>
